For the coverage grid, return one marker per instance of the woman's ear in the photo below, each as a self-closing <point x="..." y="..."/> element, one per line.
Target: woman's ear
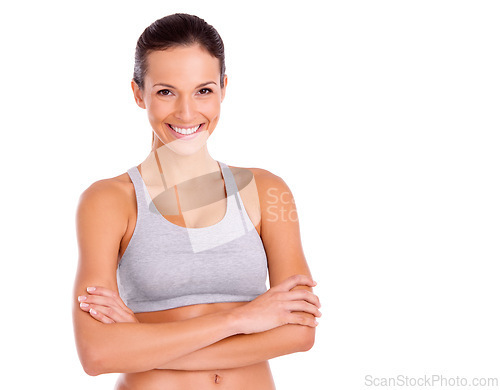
<point x="138" y="95"/>
<point x="223" y="90"/>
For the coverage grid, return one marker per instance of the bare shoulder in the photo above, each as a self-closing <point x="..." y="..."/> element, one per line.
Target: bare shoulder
<point x="106" y="200"/>
<point x="110" y="191"/>
<point x="262" y="178"/>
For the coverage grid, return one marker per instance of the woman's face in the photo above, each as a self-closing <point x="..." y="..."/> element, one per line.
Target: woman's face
<point x="182" y="93"/>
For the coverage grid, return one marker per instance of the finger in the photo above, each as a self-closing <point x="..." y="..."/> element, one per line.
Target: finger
<point x="100" y="317"/>
<point x="106" y="292"/>
<point x="304" y="307"/>
<point x="115" y="316"/>
<point x="102" y="310"/>
<point x="87" y="306"/>
<point x="301" y="319"/>
<point x="304" y="295"/>
<point x="295" y="280"/>
<point x="100" y="300"/>
<point x="107" y="306"/>
<point x="84" y="306"/>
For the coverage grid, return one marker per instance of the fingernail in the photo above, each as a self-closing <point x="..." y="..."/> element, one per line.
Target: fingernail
<point x="315" y="283"/>
<point x="84" y="304"/>
<point x="89" y="289"/>
<point x="92" y="311"/>
<point x="82" y="298"/>
<point x="316" y="323"/>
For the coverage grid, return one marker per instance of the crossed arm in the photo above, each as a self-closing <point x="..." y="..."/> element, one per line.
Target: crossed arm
<point x="246" y="349"/>
<point x="233" y="351"/>
<point x="202" y="343"/>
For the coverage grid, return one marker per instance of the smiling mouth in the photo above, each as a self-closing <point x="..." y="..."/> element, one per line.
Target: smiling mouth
<point x="185" y="130"/>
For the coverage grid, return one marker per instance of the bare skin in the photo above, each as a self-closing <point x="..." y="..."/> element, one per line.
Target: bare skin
<point x="226" y="345"/>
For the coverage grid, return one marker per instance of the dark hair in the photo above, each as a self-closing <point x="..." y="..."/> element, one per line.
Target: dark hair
<point x="177" y="30"/>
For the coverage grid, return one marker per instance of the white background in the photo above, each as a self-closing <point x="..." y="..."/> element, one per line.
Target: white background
<point x="381" y="116"/>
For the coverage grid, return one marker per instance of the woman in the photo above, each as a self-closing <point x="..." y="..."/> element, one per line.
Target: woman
<point x="174" y="254"/>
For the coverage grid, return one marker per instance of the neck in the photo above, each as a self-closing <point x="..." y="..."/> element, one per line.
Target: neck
<point x="177" y="168"/>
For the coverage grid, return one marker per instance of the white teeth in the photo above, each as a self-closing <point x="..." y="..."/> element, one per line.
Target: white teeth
<point x="185" y="131"/>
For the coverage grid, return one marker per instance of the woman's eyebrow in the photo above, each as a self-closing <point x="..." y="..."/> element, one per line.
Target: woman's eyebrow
<point x="171" y="86"/>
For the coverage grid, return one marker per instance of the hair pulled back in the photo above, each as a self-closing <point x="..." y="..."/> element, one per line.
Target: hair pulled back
<point x="177" y="30"/>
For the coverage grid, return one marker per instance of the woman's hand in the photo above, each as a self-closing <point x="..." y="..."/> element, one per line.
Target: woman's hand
<point x="280" y="306"/>
<point x="106" y="306"/>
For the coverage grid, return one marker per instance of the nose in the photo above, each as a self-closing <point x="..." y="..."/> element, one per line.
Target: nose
<point x="185" y="108"/>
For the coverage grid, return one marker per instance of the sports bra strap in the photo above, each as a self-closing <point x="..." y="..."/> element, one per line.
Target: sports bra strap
<point x="231" y="187"/>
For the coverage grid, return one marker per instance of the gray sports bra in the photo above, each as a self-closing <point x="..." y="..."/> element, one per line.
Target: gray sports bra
<point x="166" y="265"/>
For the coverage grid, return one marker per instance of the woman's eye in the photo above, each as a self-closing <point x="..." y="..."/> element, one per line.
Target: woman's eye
<point x="164" y="92"/>
<point x="205" y="91"/>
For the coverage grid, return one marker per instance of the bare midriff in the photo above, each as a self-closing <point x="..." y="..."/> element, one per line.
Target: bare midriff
<point x="255" y="376"/>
